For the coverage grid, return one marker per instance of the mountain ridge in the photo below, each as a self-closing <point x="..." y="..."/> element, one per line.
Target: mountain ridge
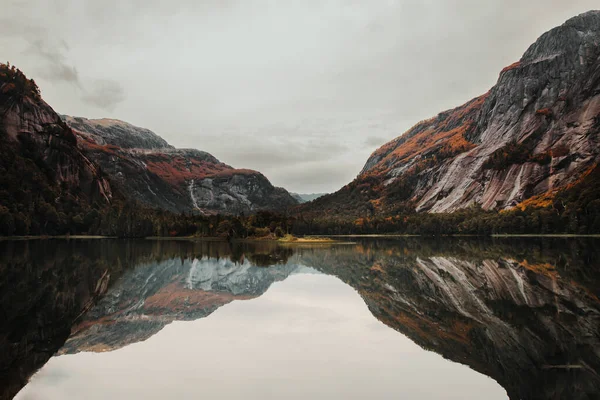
<point x="150" y="170"/>
<point x="535" y="132"/>
<point x="306" y="197"/>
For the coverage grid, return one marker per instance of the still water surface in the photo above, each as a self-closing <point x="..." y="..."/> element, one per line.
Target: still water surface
<point x="403" y="318"/>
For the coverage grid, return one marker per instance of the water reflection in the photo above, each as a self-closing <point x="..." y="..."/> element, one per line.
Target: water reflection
<point x="308" y="337"/>
<point x="524" y="312"/>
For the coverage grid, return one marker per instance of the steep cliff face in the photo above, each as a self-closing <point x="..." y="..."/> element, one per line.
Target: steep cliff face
<point x="146" y="168"/>
<point x="536" y="131"/>
<point x="29" y="125"/>
<point x="42" y="171"/>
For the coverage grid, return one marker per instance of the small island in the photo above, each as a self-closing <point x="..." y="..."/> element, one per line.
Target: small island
<point x="307" y="239"/>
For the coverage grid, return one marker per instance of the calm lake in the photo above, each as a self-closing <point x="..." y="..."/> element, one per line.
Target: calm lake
<point x="413" y="318"/>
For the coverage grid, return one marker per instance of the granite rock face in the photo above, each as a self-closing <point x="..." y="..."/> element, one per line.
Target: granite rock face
<point x="30" y="129"/>
<point x="146" y="168"/>
<point x="536" y="131"/>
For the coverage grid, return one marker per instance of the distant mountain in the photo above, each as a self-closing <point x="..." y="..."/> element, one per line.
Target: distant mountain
<point x="305" y="198"/>
<point x="116" y="133"/>
<point x="535" y="133"/>
<point x="146" y="168"/>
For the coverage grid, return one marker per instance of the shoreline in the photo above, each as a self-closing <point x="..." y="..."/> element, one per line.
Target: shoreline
<point x="320" y="239"/>
<point x="67" y="237"/>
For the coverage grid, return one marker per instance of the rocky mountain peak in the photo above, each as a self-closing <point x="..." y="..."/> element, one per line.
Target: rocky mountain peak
<point x="146" y="168"/>
<point x="572" y="38"/>
<point x="534" y="133"/>
<point x="114" y="132"/>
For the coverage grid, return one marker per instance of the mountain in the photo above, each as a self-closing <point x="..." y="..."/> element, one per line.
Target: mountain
<point x="45" y="179"/>
<point x="305" y="198"/>
<point x="116" y="133"/>
<point x="535" y="133"/>
<point x="147" y="169"/>
<point x="108" y="177"/>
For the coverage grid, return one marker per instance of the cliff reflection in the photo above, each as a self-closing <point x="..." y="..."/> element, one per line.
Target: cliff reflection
<point x="48" y="287"/>
<point x="522" y="311"/>
<point x="525" y="312"/>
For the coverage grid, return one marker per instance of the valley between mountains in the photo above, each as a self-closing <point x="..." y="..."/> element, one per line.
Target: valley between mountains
<point x="522" y="158"/>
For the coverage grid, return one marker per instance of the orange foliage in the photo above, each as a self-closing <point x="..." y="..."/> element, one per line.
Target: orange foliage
<point x="378" y="268"/>
<point x="546" y="199"/>
<point x="13" y="82"/>
<point x="582" y="177"/>
<point x="376" y="203"/>
<point x="93" y="146"/>
<point x="176" y="169"/>
<point x="544" y="111"/>
<point x="540" y="269"/>
<point x="422" y="325"/>
<point x="177" y="298"/>
<point x="512" y="66"/>
<point x="541" y="201"/>
<point x="444" y="136"/>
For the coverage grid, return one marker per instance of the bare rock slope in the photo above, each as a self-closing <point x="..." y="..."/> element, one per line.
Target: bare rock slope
<point x="535" y="132"/>
<point x="146" y="168"/>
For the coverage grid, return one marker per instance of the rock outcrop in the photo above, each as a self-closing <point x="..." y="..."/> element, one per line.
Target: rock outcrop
<point x="116" y="133"/>
<point x="146" y="168"/>
<point x="43" y="173"/>
<point x="535" y="132"/>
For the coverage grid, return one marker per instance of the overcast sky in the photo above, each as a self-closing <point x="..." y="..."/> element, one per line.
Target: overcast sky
<point x="302" y="91"/>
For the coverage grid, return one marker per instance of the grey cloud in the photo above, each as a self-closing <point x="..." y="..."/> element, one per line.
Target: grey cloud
<point x="300" y="90"/>
<point x="55" y="66"/>
<point x="52" y="62"/>
<point x="267" y="154"/>
<point x="372" y="141"/>
<point x="18" y="27"/>
<point x="315" y="175"/>
<point x="105" y="94"/>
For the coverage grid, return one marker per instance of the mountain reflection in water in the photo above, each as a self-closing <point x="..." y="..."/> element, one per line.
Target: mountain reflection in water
<point x="524" y="312"/>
